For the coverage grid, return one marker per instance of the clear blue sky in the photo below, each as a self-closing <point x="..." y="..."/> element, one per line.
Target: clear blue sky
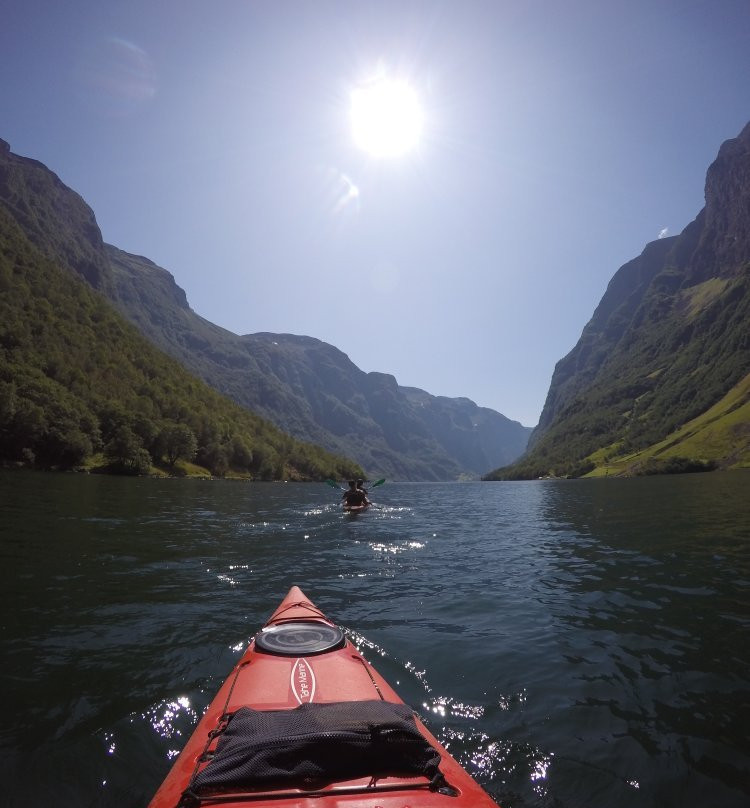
<point x="215" y="138"/>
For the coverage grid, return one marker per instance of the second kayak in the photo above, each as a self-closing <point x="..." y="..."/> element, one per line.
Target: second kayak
<point x="356" y="508"/>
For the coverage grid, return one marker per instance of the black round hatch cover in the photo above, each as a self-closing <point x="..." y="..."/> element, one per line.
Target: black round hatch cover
<point x="299" y="639"/>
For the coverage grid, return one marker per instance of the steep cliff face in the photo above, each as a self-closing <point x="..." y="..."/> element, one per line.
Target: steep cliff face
<point x="54" y="218"/>
<point x="613" y="316"/>
<point x="723" y="237"/>
<point x="668" y="340"/>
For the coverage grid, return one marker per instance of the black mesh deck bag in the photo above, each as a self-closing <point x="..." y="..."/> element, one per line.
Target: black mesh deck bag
<point x="315" y="744"/>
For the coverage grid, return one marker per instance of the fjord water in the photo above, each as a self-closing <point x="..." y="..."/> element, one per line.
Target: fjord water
<point x="579" y="643"/>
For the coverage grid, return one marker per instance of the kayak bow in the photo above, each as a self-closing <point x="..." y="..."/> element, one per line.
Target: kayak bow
<point x="354" y="743"/>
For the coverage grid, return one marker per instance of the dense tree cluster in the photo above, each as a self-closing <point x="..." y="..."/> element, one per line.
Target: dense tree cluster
<point x="77" y="380"/>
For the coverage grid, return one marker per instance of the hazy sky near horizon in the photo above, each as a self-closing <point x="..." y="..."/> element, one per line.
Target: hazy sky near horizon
<point x="215" y="138"/>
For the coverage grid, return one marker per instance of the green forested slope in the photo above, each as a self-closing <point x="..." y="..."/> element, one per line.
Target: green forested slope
<point x="76" y="379"/>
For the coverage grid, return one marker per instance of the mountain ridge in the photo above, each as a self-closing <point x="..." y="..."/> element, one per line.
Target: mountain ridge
<point x="308" y="387"/>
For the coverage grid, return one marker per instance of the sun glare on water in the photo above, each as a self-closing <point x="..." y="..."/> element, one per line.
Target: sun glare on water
<point x="386" y="117"/>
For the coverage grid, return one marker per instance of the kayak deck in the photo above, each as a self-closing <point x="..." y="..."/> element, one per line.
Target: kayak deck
<point x="284" y="678"/>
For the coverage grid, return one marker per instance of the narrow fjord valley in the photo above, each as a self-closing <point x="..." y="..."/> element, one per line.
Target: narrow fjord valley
<point x="658" y="382"/>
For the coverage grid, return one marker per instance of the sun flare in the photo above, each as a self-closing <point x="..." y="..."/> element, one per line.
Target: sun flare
<point x="386" y="117"/>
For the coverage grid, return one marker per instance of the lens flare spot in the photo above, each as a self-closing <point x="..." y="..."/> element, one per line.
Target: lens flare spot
<point x="116" y="77"/>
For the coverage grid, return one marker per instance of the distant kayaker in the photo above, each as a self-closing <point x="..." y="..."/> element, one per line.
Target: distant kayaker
<point x="355" y="495"/>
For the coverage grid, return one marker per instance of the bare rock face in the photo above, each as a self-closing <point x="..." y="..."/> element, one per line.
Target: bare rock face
<point x="724" y="242"/>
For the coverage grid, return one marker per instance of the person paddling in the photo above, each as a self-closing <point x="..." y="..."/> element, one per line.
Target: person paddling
<point x="355" y="495"/>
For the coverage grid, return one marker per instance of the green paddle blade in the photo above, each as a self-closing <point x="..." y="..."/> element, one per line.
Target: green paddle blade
<point x="334" y="484"/>
<point x="377" y="483"/>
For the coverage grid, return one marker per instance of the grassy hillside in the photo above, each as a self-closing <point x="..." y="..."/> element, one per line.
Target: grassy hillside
<point x="718" y="438"/>
<point x="77" y="381"/>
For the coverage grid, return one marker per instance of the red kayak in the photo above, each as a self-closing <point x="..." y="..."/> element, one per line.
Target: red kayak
<point x="304" y="720"/>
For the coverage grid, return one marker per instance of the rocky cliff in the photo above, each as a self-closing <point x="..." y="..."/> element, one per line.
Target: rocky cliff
<point x="55" y="219"/>
<point x="669" y="339"/>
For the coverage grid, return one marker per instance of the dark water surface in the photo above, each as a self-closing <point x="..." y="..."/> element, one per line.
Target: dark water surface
<point x="578" y="643"/>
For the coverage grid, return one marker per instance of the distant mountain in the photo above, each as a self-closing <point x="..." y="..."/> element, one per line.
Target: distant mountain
<point x="312" y="390"/>
<point x="307" y="388"/>
<point x="659" y="378"/>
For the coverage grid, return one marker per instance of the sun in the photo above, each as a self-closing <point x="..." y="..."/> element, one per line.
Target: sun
<point x="386" y="117"/>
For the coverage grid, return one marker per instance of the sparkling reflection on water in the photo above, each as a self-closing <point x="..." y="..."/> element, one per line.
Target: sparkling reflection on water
<point x="572" y="644"/>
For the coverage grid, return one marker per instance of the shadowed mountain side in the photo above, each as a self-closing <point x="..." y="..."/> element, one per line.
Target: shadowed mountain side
<point x="668" y="341"/>
<point x="310" y="388"/>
